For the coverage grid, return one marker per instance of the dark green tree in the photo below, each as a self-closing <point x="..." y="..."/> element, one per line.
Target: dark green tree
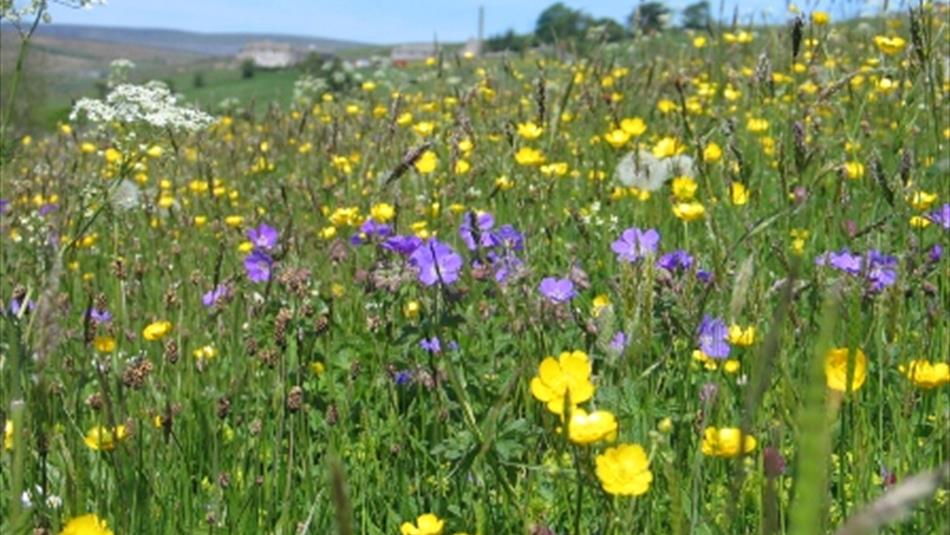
<point x="561" y="23"/>
<point x="648" y="17"/>
<point x="696" y="16"/>
<point x="248" y="68"/>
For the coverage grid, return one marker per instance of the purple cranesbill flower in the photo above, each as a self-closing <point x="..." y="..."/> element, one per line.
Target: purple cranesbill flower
<point x="402" y="377"/>
<point x="882" y="270"/>
<point x="436" y="262"/>
<point x="506" y="266"/>
<point x="257" y="265"/>
<point x="370" y="229"/>
<point x="432" y="345"/>
<point x="16" y="304"/>
<point x="842" y="260"/>
<point x="404" y="245"/>
<point x="634" y="244"/>
<point x="263" y="237"/>
<point x="557" y="290"/>
<point x="509" y="237"/>
<point x="935" y="253"/>
<point x="4" y="205"/>
<point x="675" y="260"/>
<point x="941" y="216"/>
<point x="99" y="316"/>
<point x="619" y="342"/>
<point x="712" y="336"/>
<point x="477" y="227"/>
<point x="211" y="298"/>
<point x="46" y="209"/>
<point x="877" y="268"/>
<point x="704" y="276"/>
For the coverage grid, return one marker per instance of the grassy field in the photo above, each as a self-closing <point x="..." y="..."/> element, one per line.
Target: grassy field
<point x="692" y="283"/>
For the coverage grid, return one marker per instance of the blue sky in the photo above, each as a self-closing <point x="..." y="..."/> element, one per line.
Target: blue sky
<point x="381" y="21"/>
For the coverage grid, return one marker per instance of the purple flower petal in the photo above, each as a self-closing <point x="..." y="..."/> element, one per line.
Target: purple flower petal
<point x="634" y="244"/>
<point x="257" y="266"/>
<point x="712" y="337"/>
<point x="263" y="237"/>
<point x="557" y="290"/>
<point x="436" y="262"/>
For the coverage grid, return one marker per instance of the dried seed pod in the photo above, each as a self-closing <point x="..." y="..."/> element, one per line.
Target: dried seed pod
<point x="223" y="407"/>
<point x="295" y="399"/>
<point x="171" y="351"/>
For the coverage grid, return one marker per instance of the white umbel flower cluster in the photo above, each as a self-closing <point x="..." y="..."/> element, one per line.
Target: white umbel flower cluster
<point x="152" y="104"/>
<point x="309" y="88"/>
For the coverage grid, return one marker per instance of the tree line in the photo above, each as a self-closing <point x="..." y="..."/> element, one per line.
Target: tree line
<point x="562" y="24"/>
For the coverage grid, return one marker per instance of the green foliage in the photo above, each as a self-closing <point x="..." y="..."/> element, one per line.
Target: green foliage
<point x="696" y="16"/>
<point x="248" y="69"/>
<point x="648" y="17"/>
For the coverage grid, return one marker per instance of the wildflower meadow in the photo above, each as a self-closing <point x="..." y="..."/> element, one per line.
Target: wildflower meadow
<point x="690" y="282"/>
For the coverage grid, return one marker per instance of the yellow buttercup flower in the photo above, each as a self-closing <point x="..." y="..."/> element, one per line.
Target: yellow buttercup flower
<point x="922" y="200"/>
<point x="617" y="138"/>
<point x="667" y="147"/>
<point x="757" y="125"/>
<point x="820" y="18"/>
<point x="427" y="162"/>
<point x="712" y="153"/>
<point x="925" y="374"/>
<point x="382" y="212"/>
<point x="411" y="310"/>
<point x="739" y="193"/>
<point x="157" y="330"/>
<point x="689" y="211"/>
<point x="684" y="188"/>
<point x="585" y="428"/>
<point x="529" y="156"/>
<point x="726" y="442"/>
<point x="853" y="170"/>
<point x="633" y="126"/>
<point x="102" y="438"/>
<point x="327" y="233"/>
<point x="86" y="525"/>
<point x="836" y="369"/>
<point x="889" y="45"/>
<point x="427" y="524"/>
<point x="424" y="128"/>
<point x="741" y="337"/>
<point x="104" y="344"/>
<point x="624" y="470"/>
<point x="206" y="352"/>
<point x="599" y="303"/>
<point x="317" y="368"/>
<point x="568" y="377"/>
<point x="529" y="130"/>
